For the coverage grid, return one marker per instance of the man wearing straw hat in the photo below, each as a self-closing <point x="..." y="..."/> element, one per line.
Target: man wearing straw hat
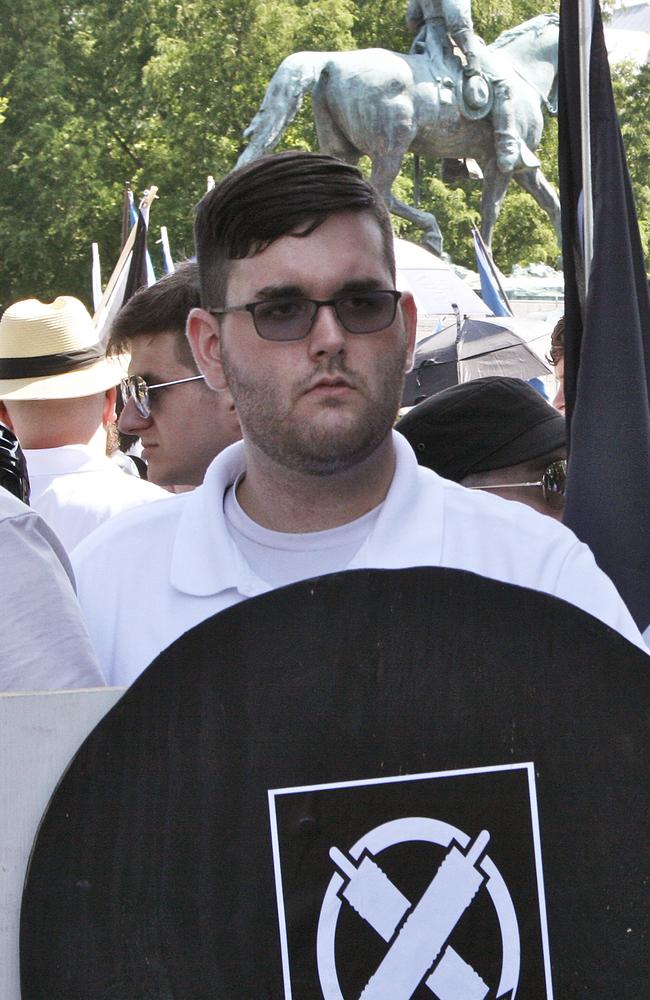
<point x="57" y="393"/>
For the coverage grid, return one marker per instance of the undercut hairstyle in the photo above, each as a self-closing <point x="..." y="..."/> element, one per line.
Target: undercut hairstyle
<point x="292" y="192"/>
<point x="556" y="352"/>
<point x="161" y="308"/>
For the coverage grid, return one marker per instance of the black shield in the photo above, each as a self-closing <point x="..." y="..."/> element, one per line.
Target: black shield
<point x="190" y="851"/>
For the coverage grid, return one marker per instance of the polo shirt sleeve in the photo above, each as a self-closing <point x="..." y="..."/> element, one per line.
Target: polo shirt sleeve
<point x="583" y="583"/>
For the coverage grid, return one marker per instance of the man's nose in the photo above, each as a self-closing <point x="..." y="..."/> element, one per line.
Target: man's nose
<point x="130" y="421"/>
<point x="327" y="335"/>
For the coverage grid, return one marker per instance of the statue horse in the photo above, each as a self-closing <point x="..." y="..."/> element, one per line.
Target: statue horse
<point x="382" y="104"/>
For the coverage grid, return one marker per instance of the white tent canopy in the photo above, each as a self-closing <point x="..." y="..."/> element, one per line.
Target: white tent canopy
<point x="434" y="286"/>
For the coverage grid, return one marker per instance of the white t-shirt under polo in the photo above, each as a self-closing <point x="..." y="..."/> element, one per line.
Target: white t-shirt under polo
<point x="152" y="573"/>
<point x="281" y="557"/>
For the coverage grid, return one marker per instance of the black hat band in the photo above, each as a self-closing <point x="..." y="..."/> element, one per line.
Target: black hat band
<point x="50" y="364"/>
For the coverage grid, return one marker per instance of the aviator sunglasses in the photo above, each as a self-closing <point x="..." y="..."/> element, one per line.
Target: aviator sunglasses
<point x="134" y="387"/>
<point x="292" y="318"/>
<point x="553" y="484"/>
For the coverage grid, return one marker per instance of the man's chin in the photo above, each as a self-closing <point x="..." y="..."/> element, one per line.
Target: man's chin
<point x="329" y="453"/>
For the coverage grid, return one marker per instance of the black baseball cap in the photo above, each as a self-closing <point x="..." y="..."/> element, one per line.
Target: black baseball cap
<point x="488" y="423"/>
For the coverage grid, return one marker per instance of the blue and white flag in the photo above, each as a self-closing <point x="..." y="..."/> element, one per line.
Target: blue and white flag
<point x="491" y="291"/>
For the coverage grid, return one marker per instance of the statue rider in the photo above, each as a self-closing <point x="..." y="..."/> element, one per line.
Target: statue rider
<point x="433" y="22"/>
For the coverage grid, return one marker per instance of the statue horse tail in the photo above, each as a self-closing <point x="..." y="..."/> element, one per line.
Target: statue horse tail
<point x="294" y="76"/>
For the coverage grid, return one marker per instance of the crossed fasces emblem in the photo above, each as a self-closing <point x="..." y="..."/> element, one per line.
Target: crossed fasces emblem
<point x="417" y="932"/>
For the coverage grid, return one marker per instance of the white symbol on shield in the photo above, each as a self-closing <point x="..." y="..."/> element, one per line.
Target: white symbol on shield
<point x="416" y="931"/>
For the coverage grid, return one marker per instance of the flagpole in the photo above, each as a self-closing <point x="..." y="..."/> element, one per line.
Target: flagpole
<point x="585" y="21"/>
<point x="96" y="274"/>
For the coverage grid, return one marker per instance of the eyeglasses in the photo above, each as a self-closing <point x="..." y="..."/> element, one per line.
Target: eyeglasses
<point x="553" y="484"/>
<point x="134" y="387"/>
<point x="293" y="318"/>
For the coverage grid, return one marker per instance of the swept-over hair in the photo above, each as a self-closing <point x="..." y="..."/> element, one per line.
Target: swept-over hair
<point x="257" y="204"/>
<point x="161" y="308"/>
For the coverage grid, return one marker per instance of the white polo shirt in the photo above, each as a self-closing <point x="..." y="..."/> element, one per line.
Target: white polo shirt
<point x="75" y="490"/>
<point x="151" y="574"/>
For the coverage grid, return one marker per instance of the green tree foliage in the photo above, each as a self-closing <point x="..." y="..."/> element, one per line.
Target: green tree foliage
<point x="96" y="92"/>
<point x="632" y="96"/>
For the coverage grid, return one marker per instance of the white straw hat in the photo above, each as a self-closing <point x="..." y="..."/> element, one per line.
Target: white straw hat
<point x="50" y="350"/>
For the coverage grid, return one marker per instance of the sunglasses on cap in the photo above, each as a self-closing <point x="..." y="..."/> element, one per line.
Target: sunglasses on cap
<point x="553" y="484"/>
<point x="292" y="317"/>
<point x="134" y="387"/>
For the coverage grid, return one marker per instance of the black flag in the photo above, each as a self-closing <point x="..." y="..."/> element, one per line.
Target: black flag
<point x="607" y="359"/>
<point x="137" y="276"/>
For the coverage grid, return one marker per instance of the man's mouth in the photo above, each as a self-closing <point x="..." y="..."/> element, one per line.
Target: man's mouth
<point x="330" y="383"/>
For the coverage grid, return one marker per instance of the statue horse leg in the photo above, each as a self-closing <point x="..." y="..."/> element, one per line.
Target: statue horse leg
<point x="535" y="183"/>
<point x="385" y="168"/>
<point x="331" y="139"/>
<point x="495" y="185"/>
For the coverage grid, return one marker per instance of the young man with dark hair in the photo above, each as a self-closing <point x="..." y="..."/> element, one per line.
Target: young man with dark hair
<point x="301" y="321"/>
<point x="183" y="424"/>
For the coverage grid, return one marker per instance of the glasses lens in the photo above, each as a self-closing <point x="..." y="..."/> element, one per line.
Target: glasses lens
<point x="134" y="387"/>
<point x="554" y="483"/>
<point x="283" y="319"/>
<point x="367" y="312"/>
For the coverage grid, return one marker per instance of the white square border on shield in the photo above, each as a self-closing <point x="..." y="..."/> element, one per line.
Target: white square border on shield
<point x="528" y="766"/>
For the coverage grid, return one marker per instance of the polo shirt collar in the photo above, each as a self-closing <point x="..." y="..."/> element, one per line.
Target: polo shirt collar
<point x="408" y="532"/>
<point x="205" y="559"/>
<point x="410" y="528"/>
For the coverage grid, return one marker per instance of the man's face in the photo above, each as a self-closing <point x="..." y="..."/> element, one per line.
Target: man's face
<point x="189" y="424"/>
<point x="326" y="402"/>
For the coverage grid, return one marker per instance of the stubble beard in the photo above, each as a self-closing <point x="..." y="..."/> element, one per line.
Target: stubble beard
<point x="315" y="447"/>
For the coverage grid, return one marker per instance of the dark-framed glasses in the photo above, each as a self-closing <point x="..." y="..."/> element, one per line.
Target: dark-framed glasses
<point x="553" y="484"/>
<point x="134" y="387"/>
<point x="293" y="317"/>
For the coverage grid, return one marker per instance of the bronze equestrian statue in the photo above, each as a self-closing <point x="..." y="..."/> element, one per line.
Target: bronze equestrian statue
<point x="382" y="104"/>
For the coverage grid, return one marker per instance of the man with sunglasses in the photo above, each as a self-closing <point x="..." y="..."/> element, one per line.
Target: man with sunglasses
<point x="496" y="434"/>
<point x="58" y="395"/>
<point x="300" y="320"/>
<point x="180" y="421"/>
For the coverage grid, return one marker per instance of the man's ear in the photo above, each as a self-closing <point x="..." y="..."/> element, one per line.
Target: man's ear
<point x="410" y="317"/>
<point x="109" y="411"/>
<point x="4" y="417"/>
<point x="204" y="335"/>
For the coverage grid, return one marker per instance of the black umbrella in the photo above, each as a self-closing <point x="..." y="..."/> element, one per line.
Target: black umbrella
<point x="472" y="349"/>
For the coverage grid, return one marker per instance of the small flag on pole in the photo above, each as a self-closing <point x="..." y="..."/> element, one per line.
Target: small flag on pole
<point x="137" y="276"/>
<point x="492" y="291"/>
<point x="114" y="293"/>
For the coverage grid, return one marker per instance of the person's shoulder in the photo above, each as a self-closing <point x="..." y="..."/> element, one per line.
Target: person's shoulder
<point x="138" y="526"/>
<point x="133" y="485"/>
<point x="509" y="515"/>
<point x="12" y="507"/>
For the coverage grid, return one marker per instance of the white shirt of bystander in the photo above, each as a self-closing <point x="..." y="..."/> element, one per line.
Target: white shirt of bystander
<point x="45" y="645"/>
<point x="76" y="490"/>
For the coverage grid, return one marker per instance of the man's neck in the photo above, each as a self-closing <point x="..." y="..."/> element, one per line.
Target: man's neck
<point x="286" y="500"/>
